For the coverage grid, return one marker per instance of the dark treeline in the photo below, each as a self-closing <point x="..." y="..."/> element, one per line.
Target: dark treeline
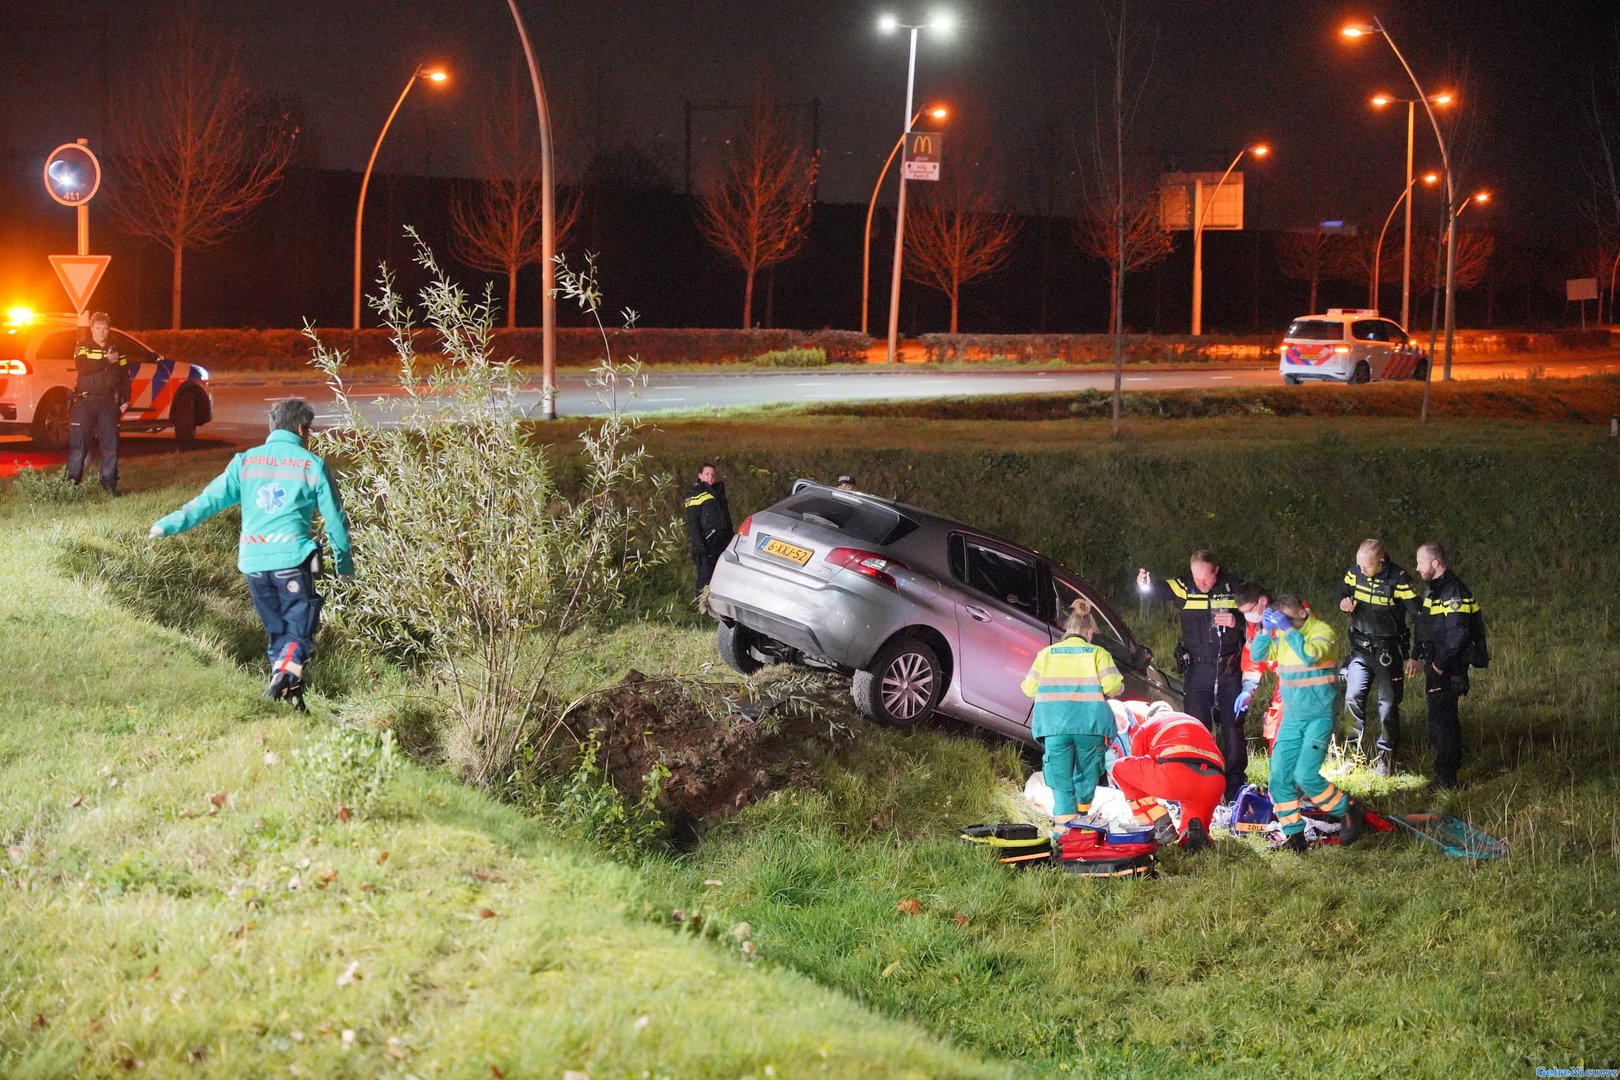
<point x="292" y="261"/>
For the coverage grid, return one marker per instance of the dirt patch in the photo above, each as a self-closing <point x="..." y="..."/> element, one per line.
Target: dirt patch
<point x="725" y="745"/>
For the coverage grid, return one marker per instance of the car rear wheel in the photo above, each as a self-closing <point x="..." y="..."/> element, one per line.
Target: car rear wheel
<point x="735" y="642"/>
<point x="1362" y="374"/>
<point x="50" y="426"/>
<point x="1291" y="380"/>
<point x="903" y="684"/>
<point x="184" y="415"/>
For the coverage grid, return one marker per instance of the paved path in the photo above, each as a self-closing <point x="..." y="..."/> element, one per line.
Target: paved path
<point x="239" y="407"/>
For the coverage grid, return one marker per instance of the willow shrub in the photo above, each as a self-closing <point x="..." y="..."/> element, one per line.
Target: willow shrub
<point x="481" y="553"/>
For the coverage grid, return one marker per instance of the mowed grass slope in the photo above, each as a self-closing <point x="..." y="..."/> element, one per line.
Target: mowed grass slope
<point x="171" y="900"/>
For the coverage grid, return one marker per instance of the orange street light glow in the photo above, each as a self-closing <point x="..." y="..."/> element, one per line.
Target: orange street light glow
<point x="437" y="76"/>
<point x="939" y="113"/>
<point x="1381" y="100"/>
<point x="1483" y="196"/>
<point x="1431" y="178"/>
<point x="1353" y="31"/>
<point x="1260" y="151"/>
<point x="1442" y="99"/>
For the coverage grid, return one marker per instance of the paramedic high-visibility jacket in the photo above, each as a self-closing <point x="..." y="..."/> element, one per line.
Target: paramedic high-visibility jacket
<point x="1307" y="665"/>
<point x="1071" y="682"/>
<point x="279" y="486"/>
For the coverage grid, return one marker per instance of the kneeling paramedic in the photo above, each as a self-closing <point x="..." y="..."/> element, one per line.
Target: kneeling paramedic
<point x="1173" y="756"/>
<point x="1304" y="648"/>
<point x="279" y="486"/>
<point x="1071" y="682"/>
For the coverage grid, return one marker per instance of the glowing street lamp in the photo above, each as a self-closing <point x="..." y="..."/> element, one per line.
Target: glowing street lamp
<point x="1380" y="100"/>
<point x="1358" y="30"/>
<point x="433" y="75"/>
<point x="1430" y="178"/>
<point x="1199" y="204"/>
<point x="938" y="112"/>
<point x="939" y="22"/>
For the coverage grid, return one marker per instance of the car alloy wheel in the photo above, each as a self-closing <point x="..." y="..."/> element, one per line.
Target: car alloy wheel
<point x="908" y="686"/>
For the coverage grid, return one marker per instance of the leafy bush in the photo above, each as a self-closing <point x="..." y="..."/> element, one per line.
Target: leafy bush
<point x="347" y="771"/>
<point x="478" y="560"/>
<point x="792" y="358"/>
<point x="590" y="806"/>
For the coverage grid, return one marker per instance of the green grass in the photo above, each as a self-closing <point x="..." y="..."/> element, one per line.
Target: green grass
<point x="142" y="924"/>
<point x="1387" y="958"/>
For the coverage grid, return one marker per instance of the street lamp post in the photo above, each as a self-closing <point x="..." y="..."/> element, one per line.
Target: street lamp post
<point x="1199" y="204"/>
<point x="1377" y="27"/>
<point x="889" y="24"/>
<point x="1406" y="257"/>
<point x="938" y="113"/>
<point x="1378" y="251"/>
<point x="1446" y="235"/>
<point x="422" y="72"/>
<point x="548" y="227"/>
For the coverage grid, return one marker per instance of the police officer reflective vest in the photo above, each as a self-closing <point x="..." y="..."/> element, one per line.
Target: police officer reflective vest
<point x="1383" y="601"/>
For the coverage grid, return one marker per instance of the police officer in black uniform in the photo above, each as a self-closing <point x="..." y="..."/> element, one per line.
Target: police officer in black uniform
<point x="1208" y="655"/>
<point x="1379" y="596"/>
<point x="100" y="393"/>
<point x="1450" y="640"/>
<point x="708" y="523"/>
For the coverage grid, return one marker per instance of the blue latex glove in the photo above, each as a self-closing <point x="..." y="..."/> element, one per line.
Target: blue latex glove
<point x="1275" y="621"/>
<point x="1241" y="705"/>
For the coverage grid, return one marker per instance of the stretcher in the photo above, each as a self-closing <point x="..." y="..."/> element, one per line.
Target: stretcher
<point x="1452" y="835"/>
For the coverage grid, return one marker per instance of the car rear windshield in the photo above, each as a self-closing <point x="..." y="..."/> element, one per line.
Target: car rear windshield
<point x="1315" y="330"/>
<point x="866" y="521"/>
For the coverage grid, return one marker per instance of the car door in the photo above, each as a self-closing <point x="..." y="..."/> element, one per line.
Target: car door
<point x="144" y="382"/>
<point x="1402" y="353"/>
<point x="998" y="624"/>
<point x="1064" y="588"/>
<point x="1372" y="345"/>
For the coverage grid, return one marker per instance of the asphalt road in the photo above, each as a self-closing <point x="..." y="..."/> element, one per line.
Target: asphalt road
<point x="239" y="407"/>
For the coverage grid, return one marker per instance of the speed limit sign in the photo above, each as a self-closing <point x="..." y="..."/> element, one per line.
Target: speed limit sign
<point x="72" y="174"/>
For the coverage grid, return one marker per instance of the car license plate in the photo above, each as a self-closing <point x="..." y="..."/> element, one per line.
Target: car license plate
<point x="783" y="550"/>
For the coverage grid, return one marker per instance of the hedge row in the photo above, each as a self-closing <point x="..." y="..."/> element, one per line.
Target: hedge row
<point x="285" y="350"/>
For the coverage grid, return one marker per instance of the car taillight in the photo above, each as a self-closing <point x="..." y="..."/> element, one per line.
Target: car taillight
<point x="742" y="530"/>
<point x="867" y="563"/>
<point x="13" y="367"/>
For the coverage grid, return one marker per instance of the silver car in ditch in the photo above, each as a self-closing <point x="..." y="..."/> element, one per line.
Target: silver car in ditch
<point x="924" y="612"/>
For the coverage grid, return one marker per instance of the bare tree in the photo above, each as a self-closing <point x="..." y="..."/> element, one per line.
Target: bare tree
<point x="196" y="149"/>
<point x="958" y="232"/>
<point x="1602" y="164"/>
<point x="497" y="220"/>
<point x="1313" y="254"/>
<point x="756" y="208"/>
<point x="1120" y="202"/>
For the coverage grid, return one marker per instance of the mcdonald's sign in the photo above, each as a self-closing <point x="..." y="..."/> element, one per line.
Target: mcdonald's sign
<point x="923" y="151"/>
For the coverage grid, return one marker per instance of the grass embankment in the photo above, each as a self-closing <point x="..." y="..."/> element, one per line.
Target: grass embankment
<point x="1384" y="958"/>
<point x="174" y="897"/>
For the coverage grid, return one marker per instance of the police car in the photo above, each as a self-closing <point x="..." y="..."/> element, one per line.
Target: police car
<point x="1350" y="345"/>
<point x="36" y="382"/>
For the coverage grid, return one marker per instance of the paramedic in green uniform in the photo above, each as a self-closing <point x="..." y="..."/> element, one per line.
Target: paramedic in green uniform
<point x="279" y="486"/>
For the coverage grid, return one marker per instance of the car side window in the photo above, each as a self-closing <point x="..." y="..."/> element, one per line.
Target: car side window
<point x="1007" y="577"/>
<point x="1393" y="332"/>
<point x="1108" y="636"/>
<point x="1368" y="330"/>
<point x="58" y="346"/>
<point x="132" y="350"/>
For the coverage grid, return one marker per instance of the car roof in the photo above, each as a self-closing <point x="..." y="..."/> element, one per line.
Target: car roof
<point x="923" y="518"/>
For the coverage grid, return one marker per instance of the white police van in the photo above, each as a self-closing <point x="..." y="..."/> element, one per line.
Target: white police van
<point x="1351" y="345"/>
<point x="37" y="376"/>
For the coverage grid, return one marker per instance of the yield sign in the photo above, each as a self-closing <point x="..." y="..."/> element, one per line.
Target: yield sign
<point x="79" y="274"/>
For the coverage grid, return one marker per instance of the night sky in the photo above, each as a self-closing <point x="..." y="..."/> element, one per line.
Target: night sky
<point x="1224" y="72"/>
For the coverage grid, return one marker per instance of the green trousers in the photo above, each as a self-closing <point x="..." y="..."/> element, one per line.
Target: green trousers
<point x="1296" y="769"/>
<point x="1071" y="765"/>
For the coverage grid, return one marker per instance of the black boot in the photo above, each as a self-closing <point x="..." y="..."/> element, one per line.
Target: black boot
<point x="1355" y="823"/>
<point x="1197" y="838"/>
